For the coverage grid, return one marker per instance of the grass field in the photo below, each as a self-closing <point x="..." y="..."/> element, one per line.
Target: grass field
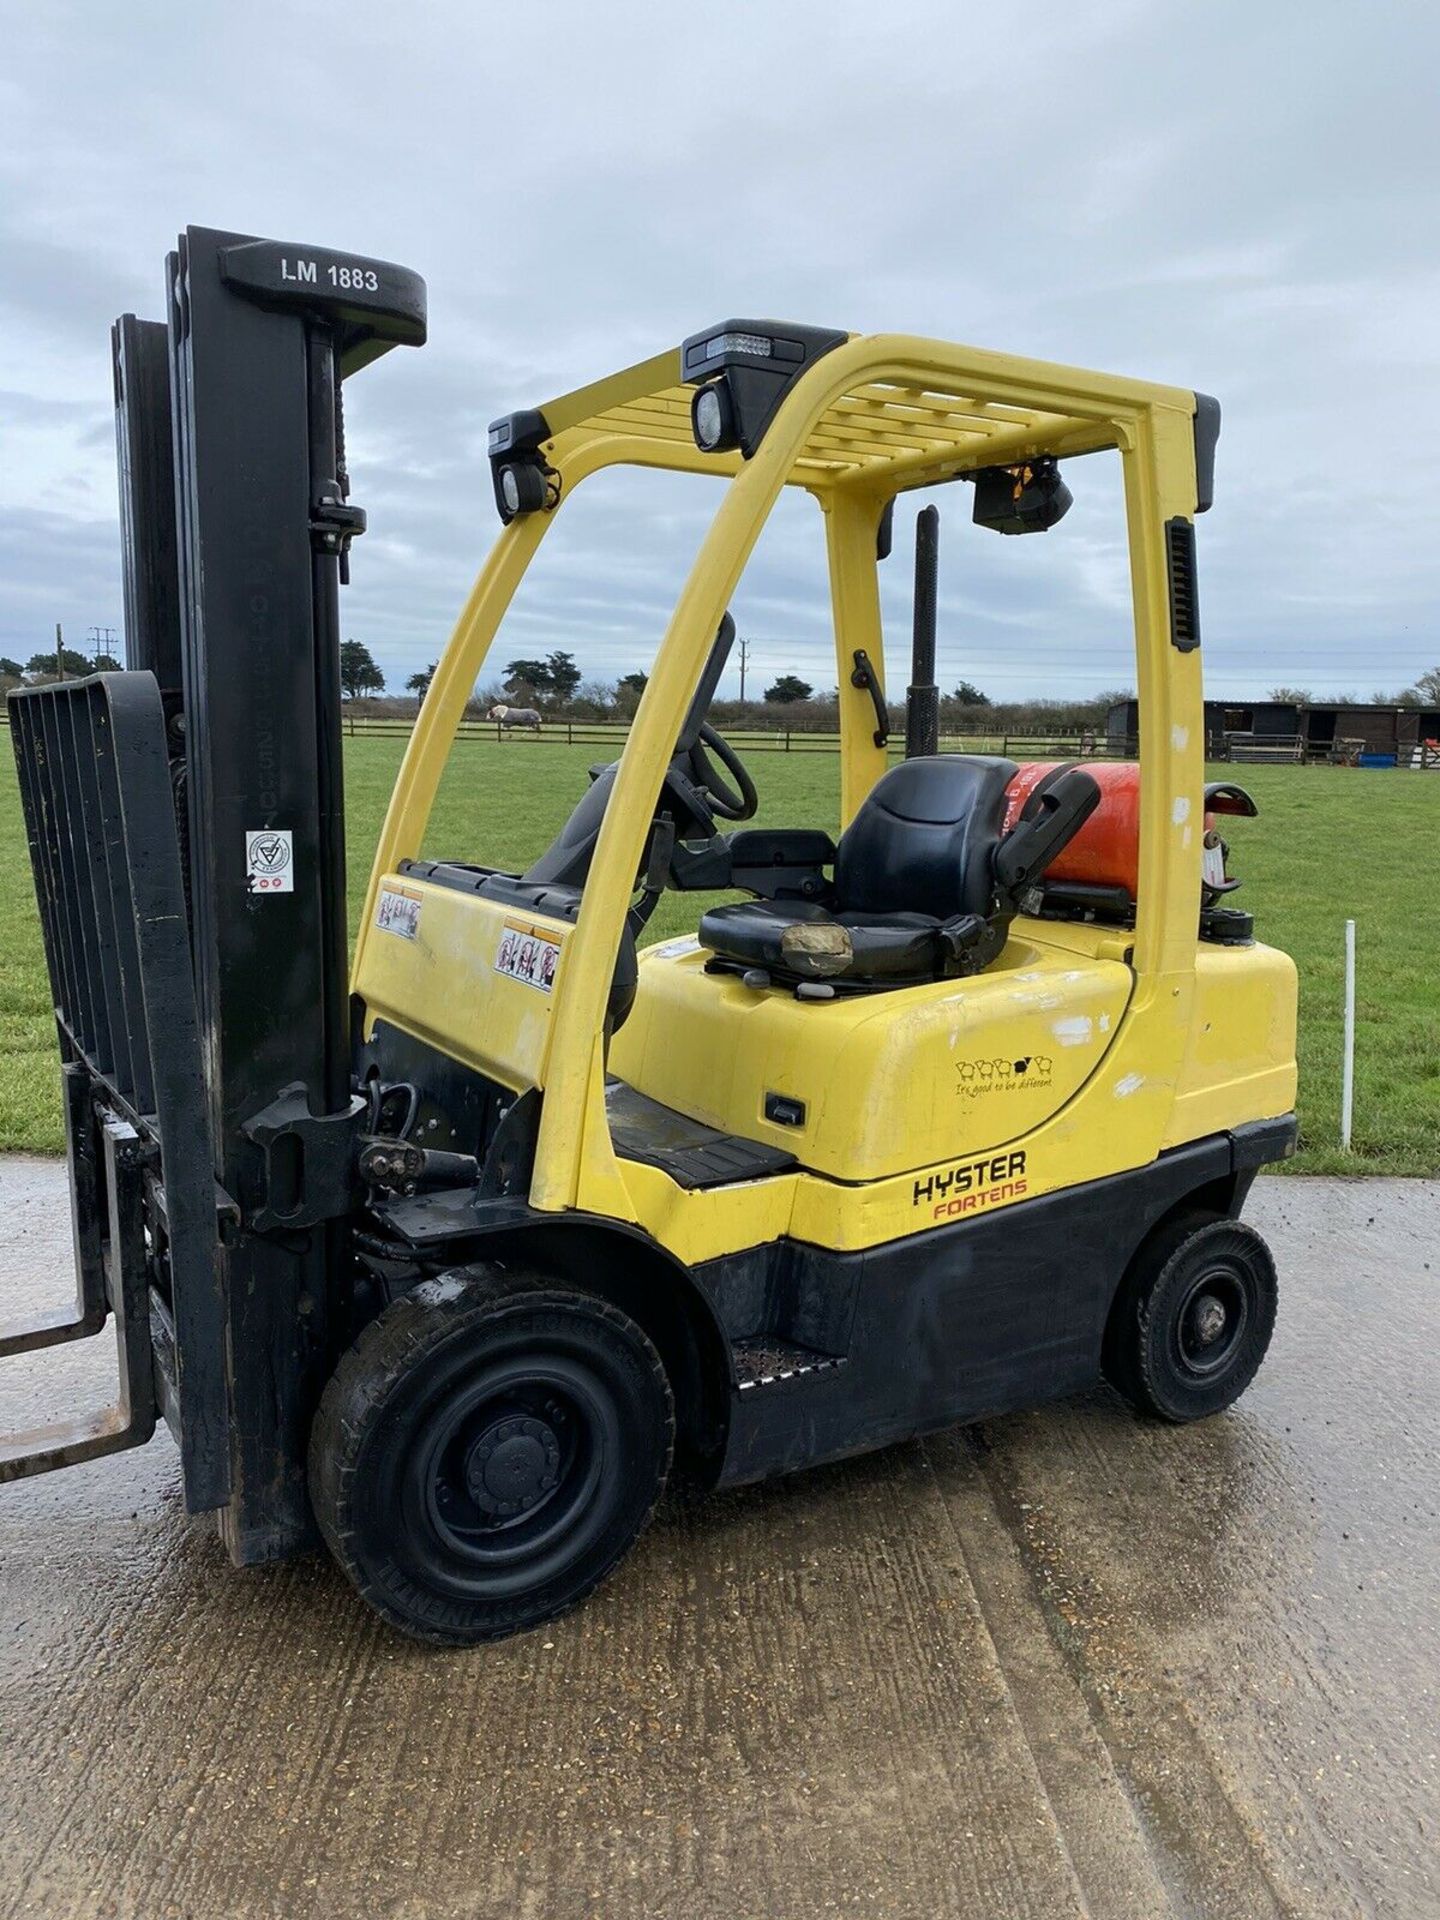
<point x="1330" y="844"/>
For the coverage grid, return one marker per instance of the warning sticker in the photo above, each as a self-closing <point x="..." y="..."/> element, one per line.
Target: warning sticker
<point x="528" y="953"/>
<point x="399" y="912"/>
<point x="270" y="861"/>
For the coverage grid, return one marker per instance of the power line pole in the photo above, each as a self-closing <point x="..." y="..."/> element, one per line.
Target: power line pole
<point x="59" y="651"/>
<point x="744" y="662"/>
<point x="102" y="636"/>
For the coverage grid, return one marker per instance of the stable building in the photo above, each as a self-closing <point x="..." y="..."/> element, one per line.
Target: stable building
<point x="1285" y="729"/>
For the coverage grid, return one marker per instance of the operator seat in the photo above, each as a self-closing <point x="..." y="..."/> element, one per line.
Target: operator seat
<point x="926" y="879"/>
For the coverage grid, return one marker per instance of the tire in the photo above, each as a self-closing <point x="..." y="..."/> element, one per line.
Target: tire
<point x="1119" y="1354"/>
<point x="1193" y="1320"/>
<point x="488" y="1451"/>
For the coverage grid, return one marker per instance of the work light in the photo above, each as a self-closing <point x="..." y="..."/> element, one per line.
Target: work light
<point x="1028" y="498"/>
<point x="522" y="488"/>
<point x="712" y="418"/>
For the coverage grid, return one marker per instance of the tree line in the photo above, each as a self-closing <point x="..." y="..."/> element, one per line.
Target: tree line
<point x="555" y="684"/>
<point x="1424" y="693"/>
<point x="66" y="664"/>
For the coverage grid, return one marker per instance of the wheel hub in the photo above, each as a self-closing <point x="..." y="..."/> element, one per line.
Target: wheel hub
<point x="1207" y="1320"/>
<point x="512" y="1466"/>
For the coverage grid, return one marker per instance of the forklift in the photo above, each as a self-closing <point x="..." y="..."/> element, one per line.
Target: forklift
<point x="450" y="1254"/>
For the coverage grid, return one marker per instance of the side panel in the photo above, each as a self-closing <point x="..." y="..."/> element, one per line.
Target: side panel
<point x="1239" y="1063"/>
<point x="966" y="1322"/>
<point x="881" y="1082"/>
<point x="474" y="977"/>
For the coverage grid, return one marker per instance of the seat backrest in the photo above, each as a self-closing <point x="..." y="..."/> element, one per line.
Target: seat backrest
<point x="924" y="840"/>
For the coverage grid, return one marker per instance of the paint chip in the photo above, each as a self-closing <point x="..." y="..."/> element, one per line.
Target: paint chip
<point x="1076" y="1031"/>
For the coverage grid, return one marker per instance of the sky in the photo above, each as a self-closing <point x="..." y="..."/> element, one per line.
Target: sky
<point x="1239" y="198"/>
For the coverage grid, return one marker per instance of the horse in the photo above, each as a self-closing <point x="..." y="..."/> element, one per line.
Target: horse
<point x="515" y="717"/>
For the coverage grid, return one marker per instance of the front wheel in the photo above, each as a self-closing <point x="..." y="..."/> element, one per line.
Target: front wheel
<point x="487" y="1451"/>
<point x="1194" y="1320"/>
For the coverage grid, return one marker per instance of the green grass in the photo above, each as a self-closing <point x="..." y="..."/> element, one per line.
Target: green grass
<point x="1329" y="844"/>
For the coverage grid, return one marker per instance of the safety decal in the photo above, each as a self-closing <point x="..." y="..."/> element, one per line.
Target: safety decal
<point x="528" y="953"/>
<point x="270" y="861"/>
<point x="399" y="912"/>
<point x="970" y="1186"/>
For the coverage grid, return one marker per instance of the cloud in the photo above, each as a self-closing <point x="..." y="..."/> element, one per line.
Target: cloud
<point x="1219" y="202"/>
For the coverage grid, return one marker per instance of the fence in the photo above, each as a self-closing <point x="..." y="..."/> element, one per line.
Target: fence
<point x="1263" y="749"/>
<point x="1241" y="748"/>
<point x="591" y="733"/>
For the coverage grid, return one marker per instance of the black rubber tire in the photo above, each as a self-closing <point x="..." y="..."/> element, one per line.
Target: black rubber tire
<point x="1120" y="1350"/>
<point x="488" y="1451"/>
<point x="1191" y="1276"/>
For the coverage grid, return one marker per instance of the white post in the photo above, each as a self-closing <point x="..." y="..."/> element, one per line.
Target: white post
<point x="1347" y="1081"/>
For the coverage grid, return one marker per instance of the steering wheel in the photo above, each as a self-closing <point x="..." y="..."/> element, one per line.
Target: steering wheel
<point x="737" y="802"/>
<point x="695" y="791"/>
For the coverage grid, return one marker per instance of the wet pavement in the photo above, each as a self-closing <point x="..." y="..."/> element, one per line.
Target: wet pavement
<point x="1062" y="1664"/>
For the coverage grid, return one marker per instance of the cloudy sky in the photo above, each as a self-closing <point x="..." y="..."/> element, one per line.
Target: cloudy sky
<point x="1243" y="197"/>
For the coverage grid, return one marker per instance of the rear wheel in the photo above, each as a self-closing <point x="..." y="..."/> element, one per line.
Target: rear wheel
<point x="487" y="1451"/>
<point x="1194" y="1319"/>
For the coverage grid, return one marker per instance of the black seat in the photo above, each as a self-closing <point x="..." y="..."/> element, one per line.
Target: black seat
<point x="926" y="878"/>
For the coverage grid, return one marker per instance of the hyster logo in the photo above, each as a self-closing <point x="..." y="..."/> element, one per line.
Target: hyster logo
<point x="973" y="1185"/>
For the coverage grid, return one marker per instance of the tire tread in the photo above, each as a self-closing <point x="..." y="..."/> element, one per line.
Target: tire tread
<point x="399" y="1337"/>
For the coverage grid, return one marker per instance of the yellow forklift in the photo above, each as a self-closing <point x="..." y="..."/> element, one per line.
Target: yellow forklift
<point x="940" y="1118"/>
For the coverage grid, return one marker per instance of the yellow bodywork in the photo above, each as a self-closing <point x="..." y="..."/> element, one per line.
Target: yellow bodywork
<point x="1082" y="1052"/>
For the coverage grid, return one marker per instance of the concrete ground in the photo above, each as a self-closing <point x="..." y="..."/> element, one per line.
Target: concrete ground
<point x="1061" y="1664"/>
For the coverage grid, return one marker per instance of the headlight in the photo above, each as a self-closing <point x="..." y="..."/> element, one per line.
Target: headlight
<point x="712" y="418"/>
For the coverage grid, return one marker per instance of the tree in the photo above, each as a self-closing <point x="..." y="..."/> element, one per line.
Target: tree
<point x="628" y="689"/>
<point x="358" y="671"/>
<point x="419" y="683"/>
<point x="1291" y="696"/>
<point x="10" y="669"/>
<point x="74" y="664"/>
<point x="564" y="675"/>
<point x="788" y="689"/>
<point x="1428" y="687"/>
<point x="524" y="677"/>
<point x="553" y="678"/>
<point x="969" y="695"/>
<point x="105" y="663"/>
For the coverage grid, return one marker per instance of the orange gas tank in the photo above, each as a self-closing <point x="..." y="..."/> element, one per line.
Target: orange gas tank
<point x="1106" y="850"/>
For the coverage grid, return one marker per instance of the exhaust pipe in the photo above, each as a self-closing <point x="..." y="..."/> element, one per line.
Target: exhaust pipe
<point x="922" y="699"/>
